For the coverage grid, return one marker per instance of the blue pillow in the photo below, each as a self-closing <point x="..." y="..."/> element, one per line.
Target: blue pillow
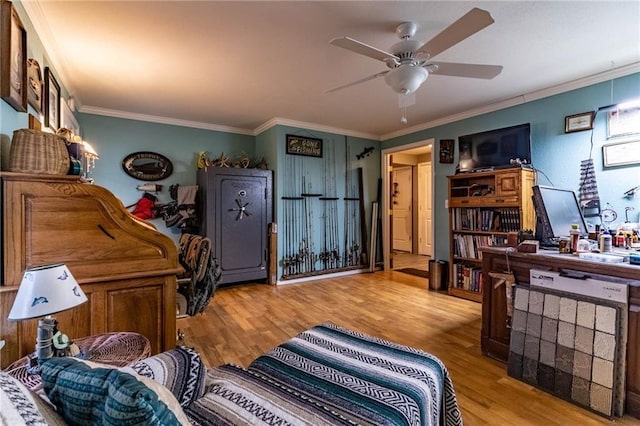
<point x="88" y="393"/>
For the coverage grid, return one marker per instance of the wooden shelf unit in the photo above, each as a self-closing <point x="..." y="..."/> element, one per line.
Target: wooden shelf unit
<point x="483" y="208"/>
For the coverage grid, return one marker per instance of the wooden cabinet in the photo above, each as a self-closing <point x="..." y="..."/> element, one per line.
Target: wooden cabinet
<point x="495" y="334"/>
<point x="483" y="208"/>
<point x="126" y="268"/>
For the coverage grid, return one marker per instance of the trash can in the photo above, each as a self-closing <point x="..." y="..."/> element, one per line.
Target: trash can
<point x="438" y="274"/>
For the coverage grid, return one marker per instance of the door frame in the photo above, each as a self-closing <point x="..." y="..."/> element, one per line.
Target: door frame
<point x="386" y="190"/>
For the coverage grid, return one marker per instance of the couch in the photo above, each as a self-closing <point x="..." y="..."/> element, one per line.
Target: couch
<point x="327" y="375"/>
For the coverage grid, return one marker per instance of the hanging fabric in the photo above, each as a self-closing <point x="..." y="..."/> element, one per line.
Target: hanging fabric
<point x="589" y="198"/>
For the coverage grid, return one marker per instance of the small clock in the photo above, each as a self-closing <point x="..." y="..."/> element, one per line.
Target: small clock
<point x="579" y="122"/>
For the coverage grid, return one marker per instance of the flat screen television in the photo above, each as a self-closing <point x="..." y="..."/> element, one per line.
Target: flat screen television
<point x="556" y="210"/>
<point x="495" y="148"/>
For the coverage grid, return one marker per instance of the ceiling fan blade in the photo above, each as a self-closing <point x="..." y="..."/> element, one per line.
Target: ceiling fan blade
<point x="353" y="83"/>
<point x="486" y="72"/>
<point x="475" y="20"/>
<point x="363" y="49"/>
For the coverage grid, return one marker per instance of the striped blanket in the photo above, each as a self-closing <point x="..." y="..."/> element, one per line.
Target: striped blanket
<point x="329" y="375"/>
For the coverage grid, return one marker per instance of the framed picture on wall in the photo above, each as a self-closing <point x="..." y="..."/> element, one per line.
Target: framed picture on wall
<point x="446" y="150"/>
<point x="13" y="58"/>
<point x="34" y="85"/>
<point x="51" y="100"/>
<point x="579" y="122"/>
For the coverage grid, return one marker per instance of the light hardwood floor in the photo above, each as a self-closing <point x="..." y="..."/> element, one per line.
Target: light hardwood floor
<point x="243" y="322"/>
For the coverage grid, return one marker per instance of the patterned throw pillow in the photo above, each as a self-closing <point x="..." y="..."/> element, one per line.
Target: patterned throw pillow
<point x="88" y="393"/>
<point x="20" y="406"/>
<point x="180" y="370"/>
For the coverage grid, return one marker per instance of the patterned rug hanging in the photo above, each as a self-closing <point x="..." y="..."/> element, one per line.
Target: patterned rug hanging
<point x="589" y="198"/>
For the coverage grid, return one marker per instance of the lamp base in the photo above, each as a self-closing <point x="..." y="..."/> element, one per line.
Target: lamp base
<point x="47" y="327"/>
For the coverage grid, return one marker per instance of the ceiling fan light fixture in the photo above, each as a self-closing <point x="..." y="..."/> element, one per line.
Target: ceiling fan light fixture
<point x="406" y="78"/>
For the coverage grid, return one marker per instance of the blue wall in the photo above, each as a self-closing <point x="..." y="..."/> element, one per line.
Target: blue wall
<point x="555" y="154"/>
<point x="115" y="138"/>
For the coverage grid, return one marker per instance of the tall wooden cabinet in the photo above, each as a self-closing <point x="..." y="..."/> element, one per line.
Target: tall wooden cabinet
<point x="236" y="209"/>
<point x="483" y="208"/>
<point x="126" y="268"/>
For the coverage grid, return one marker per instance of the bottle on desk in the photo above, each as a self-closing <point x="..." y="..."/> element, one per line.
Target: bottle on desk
<point x="574" y="235"/>
<point x="605" y="242"/>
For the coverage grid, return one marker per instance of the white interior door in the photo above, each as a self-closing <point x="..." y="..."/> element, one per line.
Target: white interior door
<point x="425" y="210"/>
<point x="401" y="206"/>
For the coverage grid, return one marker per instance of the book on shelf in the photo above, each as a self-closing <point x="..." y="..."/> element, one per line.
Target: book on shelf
<point x="468" y="246"/>
<point x="468" y="278"/>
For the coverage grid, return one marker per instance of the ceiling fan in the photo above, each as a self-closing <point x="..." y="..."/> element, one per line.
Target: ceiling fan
<point x="408" y="60"/>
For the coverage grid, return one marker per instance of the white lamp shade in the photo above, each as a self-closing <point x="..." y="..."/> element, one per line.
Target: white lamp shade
<point x="45" y="290"/>
<point x="406" y="78"/>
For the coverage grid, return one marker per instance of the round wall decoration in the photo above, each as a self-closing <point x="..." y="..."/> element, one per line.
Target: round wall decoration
<point x="147" y="166"/>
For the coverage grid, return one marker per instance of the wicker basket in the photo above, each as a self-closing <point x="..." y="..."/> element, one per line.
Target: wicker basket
<point x="33" y="151"/>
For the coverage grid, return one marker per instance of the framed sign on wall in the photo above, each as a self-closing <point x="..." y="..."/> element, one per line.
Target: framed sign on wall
<point x="302" y="145"/>
<point x="621" y="153"/>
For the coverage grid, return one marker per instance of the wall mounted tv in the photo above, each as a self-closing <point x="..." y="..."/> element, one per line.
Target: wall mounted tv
<point x="495" y="148"/>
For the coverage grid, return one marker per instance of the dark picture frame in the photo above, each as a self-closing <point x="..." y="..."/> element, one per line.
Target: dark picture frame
<point x="13" y="57"/>
<point x="302" y="145"/>
<point x="34" y="85"/>
<point x="579" y="122"/>
<point x="51" y="100"/>
<point x="446" y="151"/>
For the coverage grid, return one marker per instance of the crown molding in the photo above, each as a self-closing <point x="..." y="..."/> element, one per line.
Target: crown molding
<point x="278" y="121"/>
<point x="51" y="52"/>
<point x="518" y="100"/>
<point x="164" y="120"/>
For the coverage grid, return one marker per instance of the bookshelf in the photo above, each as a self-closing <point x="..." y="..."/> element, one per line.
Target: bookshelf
<point x="483" y="208"/>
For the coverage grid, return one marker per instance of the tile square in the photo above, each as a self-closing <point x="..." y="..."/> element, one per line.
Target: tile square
<point x="530" y="371"/>
<point x="519" y="321"/>
<point x="549" y="329"/>
<point x="606" y="319"/>
<point x="516" y="344"/>
<point x="514" y="366"/>
<point x="548" y="353"/>
<point x="536" y="302"/>
<point x="546" y="377"/>
<point x="584" y="340"/>
<point x="601" y="399"/>
<point x="531" y="347"/>
<point x="534" y="324"/>
<point x="566" y="334"/>
<point x="551" y="306"/>
<point x="580" y="391"/>
<point x="586" y="314"/>
<point x="562" y="385"/>
<point x="568" y="309"/>
<point x="582" y="365"/>
<point x="521" y="301"/>
<point x="564" y="359"/>
<point x="602" y="372"/>
<point x="604" y="345"/>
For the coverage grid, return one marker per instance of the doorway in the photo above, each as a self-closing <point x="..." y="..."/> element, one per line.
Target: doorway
<point x="407" y="234"/>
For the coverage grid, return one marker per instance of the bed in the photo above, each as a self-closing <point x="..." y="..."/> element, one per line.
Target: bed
<point x="330" y="375"/>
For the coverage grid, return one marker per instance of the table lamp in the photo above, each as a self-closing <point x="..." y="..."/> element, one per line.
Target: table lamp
<point x="44" y="291"/>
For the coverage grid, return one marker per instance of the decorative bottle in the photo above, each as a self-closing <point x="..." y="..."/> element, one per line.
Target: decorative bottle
<point x="574" y="234"/>
<point x="605" y="242"/>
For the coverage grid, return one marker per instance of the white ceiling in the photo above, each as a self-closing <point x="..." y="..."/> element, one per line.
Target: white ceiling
<point x="240" y="65"/>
